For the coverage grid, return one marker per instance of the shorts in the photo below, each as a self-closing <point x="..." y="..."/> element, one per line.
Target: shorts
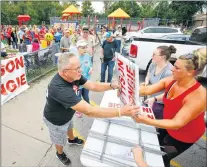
<point x="58" y="134"/>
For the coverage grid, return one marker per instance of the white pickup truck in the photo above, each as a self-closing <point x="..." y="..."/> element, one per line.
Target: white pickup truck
<point x="141" y="50"/>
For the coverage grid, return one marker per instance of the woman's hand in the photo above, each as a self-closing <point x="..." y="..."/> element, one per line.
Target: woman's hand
<point x="150" y="101"/>
<point x="140" y="118"/>
<point x="138" y="156"/>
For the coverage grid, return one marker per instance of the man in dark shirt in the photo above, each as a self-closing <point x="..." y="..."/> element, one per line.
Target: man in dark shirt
<point x="63" y="101"/>
<point x="109" y="46"/>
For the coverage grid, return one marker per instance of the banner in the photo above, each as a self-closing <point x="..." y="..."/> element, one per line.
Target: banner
<point x="128" y="76"/>
<point x="13" y="78"/>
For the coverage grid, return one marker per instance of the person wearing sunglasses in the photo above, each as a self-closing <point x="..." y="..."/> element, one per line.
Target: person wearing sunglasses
<point x="159" y="68"/>
<point x="184" y="105"/>
<point x="62" y="101"/>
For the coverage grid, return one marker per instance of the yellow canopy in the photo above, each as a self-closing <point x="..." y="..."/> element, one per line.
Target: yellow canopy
<point x="71" y="10"/>
<point x="119" y="13"/>
<point x="65" y="15"/>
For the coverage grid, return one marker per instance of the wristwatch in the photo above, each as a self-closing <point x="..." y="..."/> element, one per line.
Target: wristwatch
<point x="155" y="99"/>
<point x="111" y="86"/>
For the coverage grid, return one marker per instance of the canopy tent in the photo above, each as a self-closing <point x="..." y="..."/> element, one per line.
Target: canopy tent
<point x="65" y="16"/>
<point x="71" y="10"/>
<point x="119" y="13"/>
<point x="23" y="18"/>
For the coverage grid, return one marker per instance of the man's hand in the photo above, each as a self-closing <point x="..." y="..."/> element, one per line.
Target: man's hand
<point x="129" y="110"/>
<point x="115" y="85"/>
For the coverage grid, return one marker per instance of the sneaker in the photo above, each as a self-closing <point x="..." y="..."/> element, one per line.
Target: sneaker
<point x="76" y="141"/>
<point x="78" y="114"/>
<point x="63" y="158"/>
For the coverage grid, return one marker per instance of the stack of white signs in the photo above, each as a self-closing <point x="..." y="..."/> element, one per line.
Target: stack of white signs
<point x="110" y="141"/>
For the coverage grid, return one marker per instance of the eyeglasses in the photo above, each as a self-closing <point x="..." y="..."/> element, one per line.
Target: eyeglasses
<point x="78" y="69"/>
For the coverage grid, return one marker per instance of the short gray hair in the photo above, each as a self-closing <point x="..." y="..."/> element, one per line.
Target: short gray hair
<point x="64" y="60"/>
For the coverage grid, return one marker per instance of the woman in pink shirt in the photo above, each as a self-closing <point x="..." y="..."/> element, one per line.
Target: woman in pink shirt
<point x="35" y="45"/>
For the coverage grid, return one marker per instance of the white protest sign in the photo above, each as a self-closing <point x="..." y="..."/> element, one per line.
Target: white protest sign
<point x="128" y="76"/>
<point x="147" y="111"/>
<point x="13" y="78"/>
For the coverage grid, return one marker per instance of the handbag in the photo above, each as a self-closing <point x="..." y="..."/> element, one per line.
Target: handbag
<point x="157" y="109"/>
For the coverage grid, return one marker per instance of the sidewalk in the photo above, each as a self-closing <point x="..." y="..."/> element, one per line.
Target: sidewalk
<point x="25" y="137"/>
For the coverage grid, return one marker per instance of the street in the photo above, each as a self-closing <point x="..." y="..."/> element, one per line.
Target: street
<point x="25" y="137"/>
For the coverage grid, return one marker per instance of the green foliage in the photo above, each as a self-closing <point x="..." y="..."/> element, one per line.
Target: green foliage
<point x="87" y="9"/>
<point x="43" y="10"/>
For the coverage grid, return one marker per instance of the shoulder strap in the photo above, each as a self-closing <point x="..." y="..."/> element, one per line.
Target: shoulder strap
<point x="168" y="87"/>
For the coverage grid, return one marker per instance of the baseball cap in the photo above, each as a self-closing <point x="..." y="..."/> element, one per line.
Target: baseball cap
<point x="81" y="43"/>
<point x="85" y="28"/>
<point x="108" y="34"/>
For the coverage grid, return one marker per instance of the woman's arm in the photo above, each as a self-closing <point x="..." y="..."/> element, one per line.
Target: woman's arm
<point x="191" y="109"/>
<point x="157" y="87"/>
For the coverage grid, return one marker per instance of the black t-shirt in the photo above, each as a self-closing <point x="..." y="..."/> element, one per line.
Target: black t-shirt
<point x="61" y="96"/>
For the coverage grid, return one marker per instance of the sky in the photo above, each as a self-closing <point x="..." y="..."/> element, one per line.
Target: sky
<point x="98" y="6"/>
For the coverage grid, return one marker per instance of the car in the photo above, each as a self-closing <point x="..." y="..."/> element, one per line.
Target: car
<point x="199" y="35"/>
<point x="155" y="31"/>
<point x="182" y="37"/>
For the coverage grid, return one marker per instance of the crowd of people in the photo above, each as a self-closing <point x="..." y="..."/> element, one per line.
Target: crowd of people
<point x="173" y="90"/>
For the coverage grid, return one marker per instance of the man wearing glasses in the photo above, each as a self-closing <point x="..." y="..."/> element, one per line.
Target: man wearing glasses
<point x="62" y="101"/>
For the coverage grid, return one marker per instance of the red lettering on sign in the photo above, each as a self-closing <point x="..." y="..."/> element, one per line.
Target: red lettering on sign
<point x="145" y="109"/>
<point x="120" y="64"/>
<point x="19" y="62"/>
<point x="150" y="116"/>
<point x="11" y="65"/>
<point x="132" y="73"/>
<point x="12" y="85"/>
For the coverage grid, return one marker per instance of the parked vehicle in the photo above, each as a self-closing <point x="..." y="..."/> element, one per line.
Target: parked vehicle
<point x="155" y="31"/>
<point x="199" y="35"/>
<point x="181" y="37"/>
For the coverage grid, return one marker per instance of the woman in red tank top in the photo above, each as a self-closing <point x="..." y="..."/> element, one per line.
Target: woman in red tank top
<point x="185" y="104"/>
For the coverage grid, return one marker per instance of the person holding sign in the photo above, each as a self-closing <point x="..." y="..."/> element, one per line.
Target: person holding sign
<point x="62" y="101"/>
<point x="185" y="105"/>
<point x="159" y="68"/>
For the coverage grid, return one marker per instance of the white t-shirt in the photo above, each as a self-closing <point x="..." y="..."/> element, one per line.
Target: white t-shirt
<point x="118" y="35"/>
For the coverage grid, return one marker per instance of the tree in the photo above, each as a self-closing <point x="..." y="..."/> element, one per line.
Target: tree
<point x="184" y="11"/>
<point x="147" y="10"/>
<point x="87" y="9"/>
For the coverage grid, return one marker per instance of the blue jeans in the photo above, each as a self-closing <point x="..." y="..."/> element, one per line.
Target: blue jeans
<point x="84" y="93"/>
<point x="118" y="43"/>
<point x="104" y="65"/>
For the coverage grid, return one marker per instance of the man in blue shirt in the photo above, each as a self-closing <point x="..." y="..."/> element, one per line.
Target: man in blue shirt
<point x="109" y="46"/>
<point x="86" y="68"/>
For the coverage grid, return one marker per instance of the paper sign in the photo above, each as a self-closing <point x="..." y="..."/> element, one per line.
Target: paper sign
<point x="13" y="78"/>
<point x="128" y="76"/>
<point x="147" y="111"/>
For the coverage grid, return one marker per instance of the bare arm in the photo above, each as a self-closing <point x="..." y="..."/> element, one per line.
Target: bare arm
<point x="157" y="87"/>
<point x="138" y="157"/>
<point x="185" y="115"/>
<point x="99" y="87"/>
<point x="99" y="112"/>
